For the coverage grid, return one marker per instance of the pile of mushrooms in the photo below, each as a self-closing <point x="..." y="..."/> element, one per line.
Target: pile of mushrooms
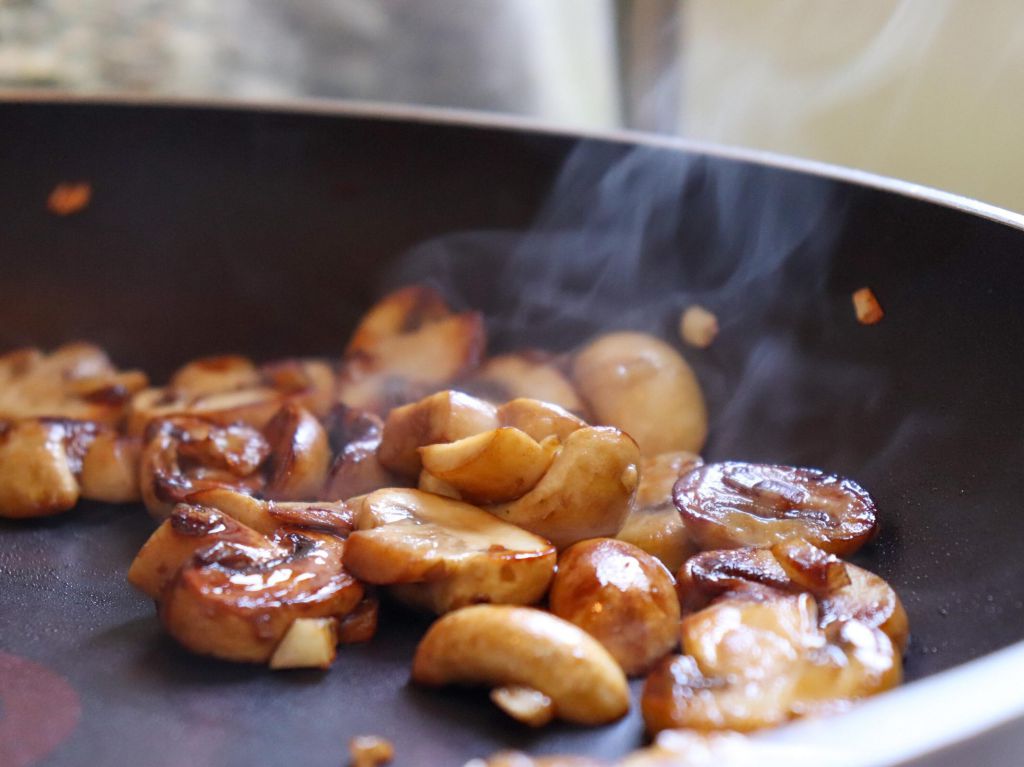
<point x="551" y="510"/>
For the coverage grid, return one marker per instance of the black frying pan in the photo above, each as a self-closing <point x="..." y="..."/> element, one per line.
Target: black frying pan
<point x="267" y="233"/>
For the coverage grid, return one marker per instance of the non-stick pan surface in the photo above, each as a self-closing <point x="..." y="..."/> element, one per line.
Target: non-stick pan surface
<point x="267" y="233"/>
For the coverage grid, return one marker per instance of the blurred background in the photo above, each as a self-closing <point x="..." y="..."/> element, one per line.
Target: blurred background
<point x="927" y="90"/>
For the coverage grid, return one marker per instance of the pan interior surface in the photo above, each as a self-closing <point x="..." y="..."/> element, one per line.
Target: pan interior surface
<point x="267" y="234"/>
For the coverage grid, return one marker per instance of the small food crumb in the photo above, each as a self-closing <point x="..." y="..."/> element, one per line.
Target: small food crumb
<point x="868" y="310"/>
<point x="698" y="326"/>
<point x="370" y="751"/>
<point x="69" y="197"/>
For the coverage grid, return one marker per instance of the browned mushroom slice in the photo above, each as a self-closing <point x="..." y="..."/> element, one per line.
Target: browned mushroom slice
<point x="442" y="417"/>
<point x="654" y="524"/>
<point x="37" y="476"/>
<point x="492" y="467"/>
<point x="408" y="345"/>
<point x="76" y="381"/>
<point x="843" y="591"/>
<point x="230" y="389"/>
<point x="110" y="468"/>
<point x="620" y="595"/>
<point x="46" y="464"/>
<point x="360" y="625"/>
<point x="586" y="493"/>
<point x="752" y="664"/>
<point x="401" y="311"/>
<point x="299" y="455"/>
<point x="184" y="455"/>
<point x="529" y="374"/>
<point x="355" y="438"/>
<point x="214" y="375"/>
<point x="268" y="517"/>
<point x="310" y="383"/>
<point x="237" y="602"/>
<point x="441" y="554"/>
<point x="187" y="530"/>
<point x="539" y="419"/>
<point x="728" y="505"/>
<point x="640" y="384"/>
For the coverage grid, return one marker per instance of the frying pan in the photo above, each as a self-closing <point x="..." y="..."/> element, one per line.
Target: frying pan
<point x="267" y="231"/>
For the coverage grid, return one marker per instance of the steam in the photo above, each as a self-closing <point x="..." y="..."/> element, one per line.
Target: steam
<point x="629" y="237"/>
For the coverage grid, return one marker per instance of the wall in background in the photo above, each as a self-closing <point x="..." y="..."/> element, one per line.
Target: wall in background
<point x="927" y="90"/>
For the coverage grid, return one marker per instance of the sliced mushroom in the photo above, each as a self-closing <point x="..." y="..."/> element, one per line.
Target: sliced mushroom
<point x="729" y="505"/>
<point x="110" y="468"/>
<point x="214" y="375"/>
<point x="355" y="438"/>
<point x="47" y="464"/>
<point x="408" y="345"/>
<point x="183" y="455"/>
<point x="187" y="530"/>
<point x="232" y="390"/>
<point x="654" y="524"/>
<point x="309" y="383"/>
<point x="237" y="602"/>
<point x="621" y="596"/>
<point x="843" y="591"/>
<point x="268" y="517"/>
<point x="76" y="382"/>
<point x="501" y="646"/>
<point x="586" y="493"/>
<point x="400" y="311"/>
<point x="37" y="476"/>
<point x="441" y="554"/>
<point x="492" y="467"/>
<point x="640" y="384"/>
<point x="443" y="417"/>
<point x="539" y="419"/>
<point x="528" y="374"/>
<point x="299" y="455"/>
<point x="752" y="664"/>
<point x="428" y="483"/>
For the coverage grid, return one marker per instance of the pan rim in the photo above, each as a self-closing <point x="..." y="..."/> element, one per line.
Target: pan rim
<point x="955" y="706"/>
<point x="366" y="109"/>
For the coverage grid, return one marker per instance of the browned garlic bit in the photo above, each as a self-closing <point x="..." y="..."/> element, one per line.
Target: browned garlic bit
<point x="729" y="505"/>
<point x="756" y="663"/>
<point x="640" y="384"/>
<point x="654" y="524"/>
<point x="529" y="374"/>
<point x="370" y="751"/>
<point x="843" y="591"/>
<point x="698" y="327"/>
<point x="409" y="344"/>
<point x="866" y="307"/>
<point x="502" y="646"/>
<point x="69" y="197"/>
<point x="59" y="438"/>
<point x="620" y="595"/>
<point x="441" y="554"/>
<point x="226" y="590"/>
